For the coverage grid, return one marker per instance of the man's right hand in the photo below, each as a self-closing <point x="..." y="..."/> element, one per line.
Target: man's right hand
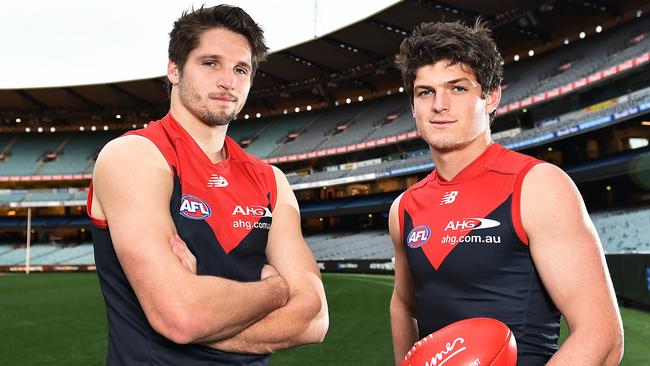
<point x="269" y="273"/>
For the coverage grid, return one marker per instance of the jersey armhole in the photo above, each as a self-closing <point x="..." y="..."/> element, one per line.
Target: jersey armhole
<point x="274" y="191"/>
<point x="400" y="216"/>
<point x="100" y="223"/>
<point x="516" y="203"/>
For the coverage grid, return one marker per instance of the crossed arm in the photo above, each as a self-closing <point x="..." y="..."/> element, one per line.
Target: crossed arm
<point x="178" y="304"/>
<point x="304" y="319"/>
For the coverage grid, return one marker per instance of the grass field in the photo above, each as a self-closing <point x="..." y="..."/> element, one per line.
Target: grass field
<point x="59" y="319"/>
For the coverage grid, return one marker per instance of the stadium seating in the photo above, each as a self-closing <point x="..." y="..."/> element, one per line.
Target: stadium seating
<point x="25" y="151"/>
<point x="246" y="129"/>
<point x="624" y="231"/>
<point x="366" y="245"/>
<point x="570" y="63"/>
<point x="68" y="255"/>
<point x="319" y="129"/>
<point x="367" y="122"/>
<point x="48" y="254"/>
<point x="75" y="155"/>
<point x="269" y="139"/>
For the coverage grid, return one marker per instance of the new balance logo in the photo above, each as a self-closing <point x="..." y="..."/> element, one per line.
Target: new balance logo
<point x="217" y="181"/>
<point x="448" y="197"/>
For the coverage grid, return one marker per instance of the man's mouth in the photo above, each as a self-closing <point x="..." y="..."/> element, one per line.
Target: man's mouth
<point x="223" y="97"/>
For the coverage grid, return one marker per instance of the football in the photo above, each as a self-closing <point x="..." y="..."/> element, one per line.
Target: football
<point x="468" y="342"/>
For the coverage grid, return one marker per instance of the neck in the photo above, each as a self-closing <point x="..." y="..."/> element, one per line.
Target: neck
<point x="450" y="162"/>
<point x="210" y="139"/>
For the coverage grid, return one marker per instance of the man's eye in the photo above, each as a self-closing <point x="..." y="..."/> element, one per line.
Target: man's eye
<point x="424" y="92"/>
<point x="241" y="70"/>
<point x="458" y="88"/>
<point x="209" y="63"/>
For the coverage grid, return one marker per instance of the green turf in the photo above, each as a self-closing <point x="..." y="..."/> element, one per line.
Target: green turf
<point x="59" y="319"/>
<point x="52" y="319"/>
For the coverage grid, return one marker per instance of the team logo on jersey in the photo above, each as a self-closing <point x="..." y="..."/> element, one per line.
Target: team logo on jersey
<point x="448" y="197"/>
<point x="194" y="208"/>
<point x="245" y="210"/>
<point x="472" y="223"/>
<point x="418" y="236"/>
<point x="217" y="181"/>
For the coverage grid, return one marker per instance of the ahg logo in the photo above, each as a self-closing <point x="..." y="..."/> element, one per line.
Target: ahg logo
<point x="472" y="223"/>
<point x="259" y="211"/>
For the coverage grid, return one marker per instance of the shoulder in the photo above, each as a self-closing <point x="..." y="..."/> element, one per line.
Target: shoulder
<point x="545" y="177"/>
<point x="548" y="193"/>
<point x="394" y="207"/>
<point x="126" y="155"/>
<point x="128" y="147"/>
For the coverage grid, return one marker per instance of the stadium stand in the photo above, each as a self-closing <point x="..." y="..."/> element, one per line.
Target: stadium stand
<point x="367" y="245"/>
<point x="319" y="129"/>
<point x="68" y="255"/>
<point x="247" y="129"/>
<point x="76" y="155"/>
<point x="48" y="254"/>
<point x="271" y="138"/>
<point x="372" y="118"/>
<point x="624" y="231"/>
<point x="576" y="61"/>
<point x="23" y="158"/>
<point x="561" y="123"/>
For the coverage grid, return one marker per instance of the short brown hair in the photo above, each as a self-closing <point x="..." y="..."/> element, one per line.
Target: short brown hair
<point x="454" y="42"/>
<point x="187" y="30"/>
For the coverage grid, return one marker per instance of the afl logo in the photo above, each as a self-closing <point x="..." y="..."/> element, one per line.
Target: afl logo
<point x="418" y="236"/>
<point x="194" y="208"/>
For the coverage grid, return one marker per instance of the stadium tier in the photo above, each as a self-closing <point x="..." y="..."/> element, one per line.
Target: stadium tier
<point x="364" y="122"/>
<point x="276" y="132"/>
<point x="576" y="61"/>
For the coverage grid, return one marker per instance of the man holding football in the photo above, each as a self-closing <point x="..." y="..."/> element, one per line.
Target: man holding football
<point x="491" y="232"/>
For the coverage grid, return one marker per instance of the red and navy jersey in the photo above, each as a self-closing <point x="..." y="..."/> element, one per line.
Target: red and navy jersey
<point x="223" y="212"/>
<point x="468" y="253"/>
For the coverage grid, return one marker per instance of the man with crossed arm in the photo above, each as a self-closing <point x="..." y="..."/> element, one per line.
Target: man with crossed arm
<point x="254" y="286"/>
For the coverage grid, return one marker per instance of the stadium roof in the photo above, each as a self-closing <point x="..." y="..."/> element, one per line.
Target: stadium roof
<point x="355" y="59"/>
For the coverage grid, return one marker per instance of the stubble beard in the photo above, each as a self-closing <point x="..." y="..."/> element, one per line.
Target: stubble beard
<point x="192" y="101"/>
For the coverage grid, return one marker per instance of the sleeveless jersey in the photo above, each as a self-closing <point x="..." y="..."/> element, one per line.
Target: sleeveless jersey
<point x="468" y="253"/>
<point x="222" y="211"/>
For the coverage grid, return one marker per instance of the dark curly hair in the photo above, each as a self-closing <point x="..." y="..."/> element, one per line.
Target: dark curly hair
<point x="187" y="31"/>
<point x="454" y="42"/>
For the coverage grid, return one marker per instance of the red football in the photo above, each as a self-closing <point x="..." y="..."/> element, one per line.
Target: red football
<point x="468" y="342"/>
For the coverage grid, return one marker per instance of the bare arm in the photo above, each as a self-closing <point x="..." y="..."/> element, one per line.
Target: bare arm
<point x="402" y="305"/>
<point x="304" y="319"/>
<point x="568" y="256"/>
<point x="132" y="190"/>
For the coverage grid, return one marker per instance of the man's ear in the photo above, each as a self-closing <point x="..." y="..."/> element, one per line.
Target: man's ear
<point x="173" y="73"/>
<point x="492" y="100"/>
